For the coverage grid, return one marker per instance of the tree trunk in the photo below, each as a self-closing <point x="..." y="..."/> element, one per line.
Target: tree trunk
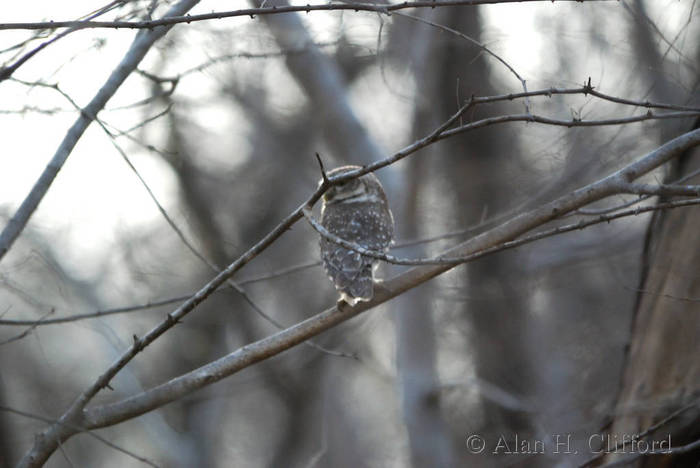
<point x="662" y="373"/>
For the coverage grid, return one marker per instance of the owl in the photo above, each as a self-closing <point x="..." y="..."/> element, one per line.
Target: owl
<point x="358" y="212"/>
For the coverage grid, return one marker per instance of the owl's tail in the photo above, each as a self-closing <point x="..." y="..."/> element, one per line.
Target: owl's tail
<point x="361" y="290"/>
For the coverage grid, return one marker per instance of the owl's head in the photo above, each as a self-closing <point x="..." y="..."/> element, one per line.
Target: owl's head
<point x="364" y="189"/>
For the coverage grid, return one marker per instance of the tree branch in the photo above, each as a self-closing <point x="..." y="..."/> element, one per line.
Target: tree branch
<point x="454" y="261"/>
<point x="90" y="433"/>
<point x="49" y="439"/>
<point x="369" y="7"/>
<point x="139" y="48"/>
<point x="260" y="350"/>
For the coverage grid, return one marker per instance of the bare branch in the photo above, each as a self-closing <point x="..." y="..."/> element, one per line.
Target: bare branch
<point x="650" y="430"/>
<point x="303" y="331"/>
<point x="586" y="89"/>
<point x="628" y="460"/>
<point x="603" y="218"/>
<point x="27" y="331"/>
<point x="252" y="12"/>
<point x="90" y="433"/>
<point x="274" y="344"/>
<point x="478" y="44"/>
<point x="7" y="72"/>
<point x="440" y="260"/>
<point x="96" y="314"/>
<point x="435" y="135"/>
<point x="589" y="212"/>
<point x="133" y="57"/>
<point x="663" y="190"/>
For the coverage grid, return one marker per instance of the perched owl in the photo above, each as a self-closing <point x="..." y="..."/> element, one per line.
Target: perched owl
<point x="358" y="212"/>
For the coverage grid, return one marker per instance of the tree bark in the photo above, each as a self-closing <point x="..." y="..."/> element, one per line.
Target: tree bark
<point x="662" y="373"/>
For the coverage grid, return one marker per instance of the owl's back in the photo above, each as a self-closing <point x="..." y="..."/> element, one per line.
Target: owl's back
<point x="369" y="225"/>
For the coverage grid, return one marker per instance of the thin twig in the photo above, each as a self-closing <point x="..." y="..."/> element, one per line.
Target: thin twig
<point x="665" y="451"/>
<point x="96" y="314"/>
<point x="260" y="350"/>
<point x="90" y="433"/>
<point x="252" y="12"/>
<point x="481" y="46"/>
<point x="141" y="45"/>
<point x="294" y="335"/>
<point x="27" y="331"/>
<point x="650" y="430"/>
<point x="497" y="248"/>
<point x="6" y="72"/>
<point x="256" y="55"/>
<point x="190" y="246"/>
<point x="589" y="212"/>
<point x="435" y="135"/>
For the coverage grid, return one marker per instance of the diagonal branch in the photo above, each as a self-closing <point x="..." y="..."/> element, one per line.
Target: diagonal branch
<point x="272" y="345"/>
<point x="478" y="44"/>
<point x="47" y="442"/>
<point x="454" y="261"/>
<point x="90" y="433"/>
<point x="141" y="45"/>
<point x="6" y="72"/>
<point x="445" y="133"/>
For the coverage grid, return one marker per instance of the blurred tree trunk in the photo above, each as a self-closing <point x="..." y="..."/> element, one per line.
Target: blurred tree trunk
<point x="290" y="392"/>
<point x="477" y="170"/>
<point x="416" y="349"/>
<point x="322" y="81"/>
<point x="584" y="325"/>
<point x="662" y="373"/>
<point x="203" y="197"/>
<point x="6" y="451"/>
<point x="414" y="312"/>
<point x="470" y="175"/>
<point x="662" y="370"/>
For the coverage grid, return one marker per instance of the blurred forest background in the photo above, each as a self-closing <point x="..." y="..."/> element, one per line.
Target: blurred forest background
<point x="575" y="335"/>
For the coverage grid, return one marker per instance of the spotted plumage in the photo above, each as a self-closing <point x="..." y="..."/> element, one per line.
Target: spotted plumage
<point x="358" y="212"/>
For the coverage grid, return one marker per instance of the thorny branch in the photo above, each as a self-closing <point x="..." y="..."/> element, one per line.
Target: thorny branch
<point x="252" y="12"/>
<point x="439" y="133"/>
<point x="434" y="136"/>
<point x="600" y="218"/>
<point x="78" y="417"/>
<point x="439" y="260"/>
<point x="285" y="339"/>
<point x="252" y="353"/>
<point x="478" y="44"/>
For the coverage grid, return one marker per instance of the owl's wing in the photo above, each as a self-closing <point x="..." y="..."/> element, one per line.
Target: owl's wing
<point x="370" y="226"/>
<point x="351" y="272"/>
